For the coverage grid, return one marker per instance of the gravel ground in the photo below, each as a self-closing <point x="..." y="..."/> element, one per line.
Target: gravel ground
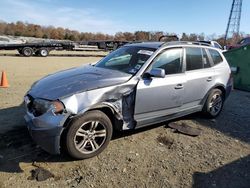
<point x="156" y="156"/>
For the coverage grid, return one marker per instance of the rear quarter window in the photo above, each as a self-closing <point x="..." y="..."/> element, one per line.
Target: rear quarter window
<point x="215" y="56"/>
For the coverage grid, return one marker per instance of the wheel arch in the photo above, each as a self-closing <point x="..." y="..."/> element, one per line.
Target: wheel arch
<point x="217" y="86"/>
<point x="223" y="89"/>
<point x="107" y="109"/>
<point x="112" y="114"/>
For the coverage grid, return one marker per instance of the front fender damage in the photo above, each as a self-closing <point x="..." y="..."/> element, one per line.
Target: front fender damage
<point x="120" y="98"/>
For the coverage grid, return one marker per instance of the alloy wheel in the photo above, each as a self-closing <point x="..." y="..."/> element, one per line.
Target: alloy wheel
<point x="90" y="137"/>
<point x="215" y="104"/>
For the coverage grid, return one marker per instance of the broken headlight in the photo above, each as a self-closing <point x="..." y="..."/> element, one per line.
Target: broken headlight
<point x="41" y="106"/>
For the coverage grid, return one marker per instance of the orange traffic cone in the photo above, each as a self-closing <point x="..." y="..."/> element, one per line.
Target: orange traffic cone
<point x="4" y="81"/>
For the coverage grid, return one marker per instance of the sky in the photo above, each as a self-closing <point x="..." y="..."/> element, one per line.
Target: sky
<point x="111" y="16"/>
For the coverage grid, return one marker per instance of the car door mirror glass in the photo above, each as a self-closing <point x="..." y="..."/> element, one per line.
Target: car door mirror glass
<point x="155" y="72"/>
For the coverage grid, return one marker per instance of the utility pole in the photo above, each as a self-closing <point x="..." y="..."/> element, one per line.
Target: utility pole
<point x="233" y="25"/>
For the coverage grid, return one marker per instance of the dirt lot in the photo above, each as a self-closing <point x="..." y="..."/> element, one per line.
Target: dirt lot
<point x="153" y="157"/>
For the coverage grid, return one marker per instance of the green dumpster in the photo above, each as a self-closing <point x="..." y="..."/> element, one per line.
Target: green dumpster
<point x="239" y="61"/>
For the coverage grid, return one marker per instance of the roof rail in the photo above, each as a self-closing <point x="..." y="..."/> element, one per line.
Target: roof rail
<point x="186" y="42"/>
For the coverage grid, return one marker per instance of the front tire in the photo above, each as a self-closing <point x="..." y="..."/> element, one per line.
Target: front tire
<point x="88" y="135"/>
<point x="214" y="104"/>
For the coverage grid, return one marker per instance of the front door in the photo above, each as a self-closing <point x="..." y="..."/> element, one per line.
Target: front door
<point x="158" y="97"/>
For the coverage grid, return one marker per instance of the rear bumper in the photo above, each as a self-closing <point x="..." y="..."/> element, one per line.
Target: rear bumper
<point x="229" y="87"/>
<point x="46" y="130"/>
<point x="228" y="91"/>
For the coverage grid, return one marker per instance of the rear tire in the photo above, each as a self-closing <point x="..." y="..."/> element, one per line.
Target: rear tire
<point x="88" y="135"/>
<point x="214" y="104"/>
<point x="43" y="52"/>
<point x="27" y="51"/>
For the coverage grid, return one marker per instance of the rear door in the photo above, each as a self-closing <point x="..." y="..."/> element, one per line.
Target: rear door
<point x="200" y="76"/>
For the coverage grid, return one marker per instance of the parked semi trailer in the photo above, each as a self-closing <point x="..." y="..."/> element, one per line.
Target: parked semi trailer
<point x="39" y="49"/>
<point x="105" y="44"/>
<point x="114" y="44"/>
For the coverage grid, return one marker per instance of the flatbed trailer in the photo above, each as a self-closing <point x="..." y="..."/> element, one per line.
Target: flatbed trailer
<point x="105" y="44"/>
<point x="114" y="44"/>
<point x="38" y="48"/>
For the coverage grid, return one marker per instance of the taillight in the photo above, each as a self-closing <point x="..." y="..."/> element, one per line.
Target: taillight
<point x="231" y="80"/>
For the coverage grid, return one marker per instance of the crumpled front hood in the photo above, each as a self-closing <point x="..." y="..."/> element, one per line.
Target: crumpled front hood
<point x="75" y="80"/>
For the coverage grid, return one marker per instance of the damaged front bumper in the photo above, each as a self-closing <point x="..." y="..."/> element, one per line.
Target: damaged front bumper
<point x="46" y="130"/>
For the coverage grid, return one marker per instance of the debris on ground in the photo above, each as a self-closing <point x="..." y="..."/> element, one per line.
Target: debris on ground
<point x="185" y="128"/>
<point x="40" y="174"/>
<point x="163" y="140"/>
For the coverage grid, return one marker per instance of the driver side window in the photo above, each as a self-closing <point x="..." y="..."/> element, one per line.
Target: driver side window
<point x="170" y="61"/>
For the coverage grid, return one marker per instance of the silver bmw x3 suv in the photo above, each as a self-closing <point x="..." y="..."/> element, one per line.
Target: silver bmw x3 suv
<point x="136" y="85"/>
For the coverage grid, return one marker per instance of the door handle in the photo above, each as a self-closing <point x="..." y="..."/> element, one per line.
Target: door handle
<point x="209" y="79"/>
<point x="178" y="86"/>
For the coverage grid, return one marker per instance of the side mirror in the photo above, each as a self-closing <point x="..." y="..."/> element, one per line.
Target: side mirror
<point x="155" y="72"/>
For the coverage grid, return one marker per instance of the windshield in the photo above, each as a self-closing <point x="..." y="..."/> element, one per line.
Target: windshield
<point x="128" y="59"/>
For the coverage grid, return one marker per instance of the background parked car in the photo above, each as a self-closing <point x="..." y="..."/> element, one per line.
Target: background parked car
<point x="243" y="42"/>
<point x="213" y="44"/>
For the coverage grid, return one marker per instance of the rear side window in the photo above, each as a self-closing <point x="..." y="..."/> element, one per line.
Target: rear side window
<point x="215" y="56"/>
<point x="194" y="59"/>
